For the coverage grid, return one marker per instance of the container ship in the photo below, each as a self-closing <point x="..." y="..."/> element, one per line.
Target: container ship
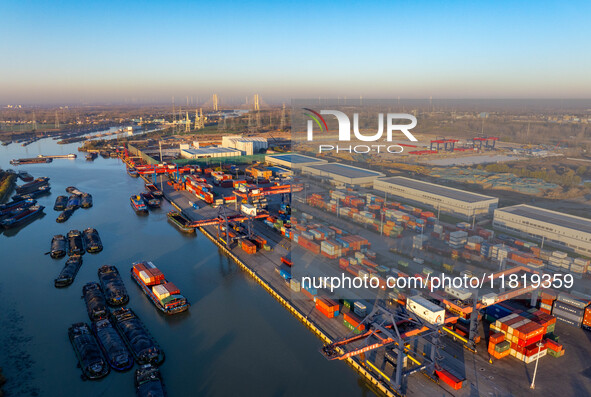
<point x="137" y="203"/>
<point x="165" y="295"/>
<point x="182" y="223"/>
<point x="23" y="216"/>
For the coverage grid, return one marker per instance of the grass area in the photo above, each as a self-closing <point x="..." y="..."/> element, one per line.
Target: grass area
<point x="6" y="185"/>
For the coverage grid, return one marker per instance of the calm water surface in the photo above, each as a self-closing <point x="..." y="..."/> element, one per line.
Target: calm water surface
<point x="235" y="340"/>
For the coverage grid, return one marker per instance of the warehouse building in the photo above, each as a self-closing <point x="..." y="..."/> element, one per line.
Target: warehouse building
<point x="567" y="232"/>
<point x="209" y="151"/>
<point x="341" y="174"/>
<point x="456" y="202"/>
<point x="248" y="146"/>
<point x="292" y="161"/>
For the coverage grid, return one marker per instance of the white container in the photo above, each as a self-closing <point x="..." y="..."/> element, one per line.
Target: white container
<point x="248" y="209"/>
<point x="460" y="293"/>
<point x="428" y="311"/>
<point x="360" y="309"/>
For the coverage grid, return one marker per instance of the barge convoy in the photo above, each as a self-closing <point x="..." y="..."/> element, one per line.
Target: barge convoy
<point x="142" y="345"/>
<point x="163" y="294"/>
<point x="88" y="352"/>
<point x="113" y="286"/>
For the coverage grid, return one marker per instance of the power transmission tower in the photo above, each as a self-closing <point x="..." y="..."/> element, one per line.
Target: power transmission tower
<point x="34" y="122"/>
<point x="187" y="122"/>
<point x="57" y="120"/>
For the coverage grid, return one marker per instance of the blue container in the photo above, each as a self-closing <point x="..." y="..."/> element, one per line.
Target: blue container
<point x="497" y="312"/>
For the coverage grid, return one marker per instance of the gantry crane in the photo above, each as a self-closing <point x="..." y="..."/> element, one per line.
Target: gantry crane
<point x="397" y="330"/>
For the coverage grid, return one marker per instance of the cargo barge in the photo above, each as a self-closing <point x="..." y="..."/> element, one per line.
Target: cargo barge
<point x="113" y="286"/>
<point x="96" y="304"/>
<point x="61" y="202"/>
<point x="65" y="215"/>
<point x="33" y="160"/>
<point x="69" y="272"/>
<point x="75" y="243"/>
<point x="32" y="186"/>
<point x="74" y="190"/>
<point x="86" y="200"/>
<point x="91" y="156"/>
<point x="89" y="355"/>
<point x="92" y="241"/>
<point x="23" y="216"/>
<point x="113" y="347"/>
<point x="132" y="172"/>
<point x="182" y="223"/>
<point x="150" y="187"/>
<point x="150" y="200"/>
<point x="10" y="208"/>
<point x="41" y="190"/>
<point x="25" y="176"/>
<point x="163" y="294"/>
<point x="142" y="345"/>
<point x="138" y="204"/>
<point x="148" y="382"/>
<point x="58" y="246"/>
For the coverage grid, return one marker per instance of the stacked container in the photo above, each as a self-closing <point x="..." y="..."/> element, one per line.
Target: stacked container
<point x="352" y="322"/>
<point x="569" y="309"/>
<point x="327" y="307"/>
<point x="498" y="347"/>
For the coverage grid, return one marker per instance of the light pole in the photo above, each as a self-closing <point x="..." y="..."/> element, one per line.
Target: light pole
<point x="533" y="381"/>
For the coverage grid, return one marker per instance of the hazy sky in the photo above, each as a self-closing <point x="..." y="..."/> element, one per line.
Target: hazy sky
<point x="71" y="51"/>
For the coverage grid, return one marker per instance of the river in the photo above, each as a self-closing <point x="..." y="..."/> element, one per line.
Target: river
<point x="235" y="340"/>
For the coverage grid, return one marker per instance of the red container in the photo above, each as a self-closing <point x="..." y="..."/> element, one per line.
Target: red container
<point x="172" y="289"/>
<point x="307" y="294"/>
<point x="450" y="379"/>
<point x="497" y="338"/>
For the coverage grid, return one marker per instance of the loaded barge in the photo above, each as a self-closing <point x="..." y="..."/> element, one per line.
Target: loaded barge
<point x="88" y="352"/>
<point x="163" y="294"/>
<point x="182" y="223"/>
<point x="142" y="345"/>
<point x="113" y="286"/>
<point x="137" y="203"/>
<point x="23" y="216"/>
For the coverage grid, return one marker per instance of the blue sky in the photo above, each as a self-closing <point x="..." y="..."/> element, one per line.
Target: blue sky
<point x="64" y="51"/>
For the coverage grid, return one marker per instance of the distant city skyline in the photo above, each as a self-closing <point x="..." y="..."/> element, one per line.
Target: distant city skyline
<point x="148" y="52"/>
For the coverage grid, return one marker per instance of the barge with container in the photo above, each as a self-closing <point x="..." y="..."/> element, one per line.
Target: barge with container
<point x="138" y="205"/>
<point x="163" y="294"/>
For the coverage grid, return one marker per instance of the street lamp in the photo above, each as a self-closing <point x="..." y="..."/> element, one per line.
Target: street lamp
<point x="533" y="381"/>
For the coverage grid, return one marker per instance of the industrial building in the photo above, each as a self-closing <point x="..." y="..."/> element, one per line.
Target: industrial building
<point x="557" y="229"/>
<point x="248" y="146"/>
<point x="445" y="199"/>
<point x="292" y="161"/>
<point x="341" y="174"/>
<point x="209" y="151"/>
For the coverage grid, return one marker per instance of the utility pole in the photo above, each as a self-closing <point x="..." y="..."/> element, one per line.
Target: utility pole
<point x="533" y="381"/>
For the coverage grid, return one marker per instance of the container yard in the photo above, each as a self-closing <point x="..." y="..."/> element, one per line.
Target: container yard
<point x="336" y="228"/>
